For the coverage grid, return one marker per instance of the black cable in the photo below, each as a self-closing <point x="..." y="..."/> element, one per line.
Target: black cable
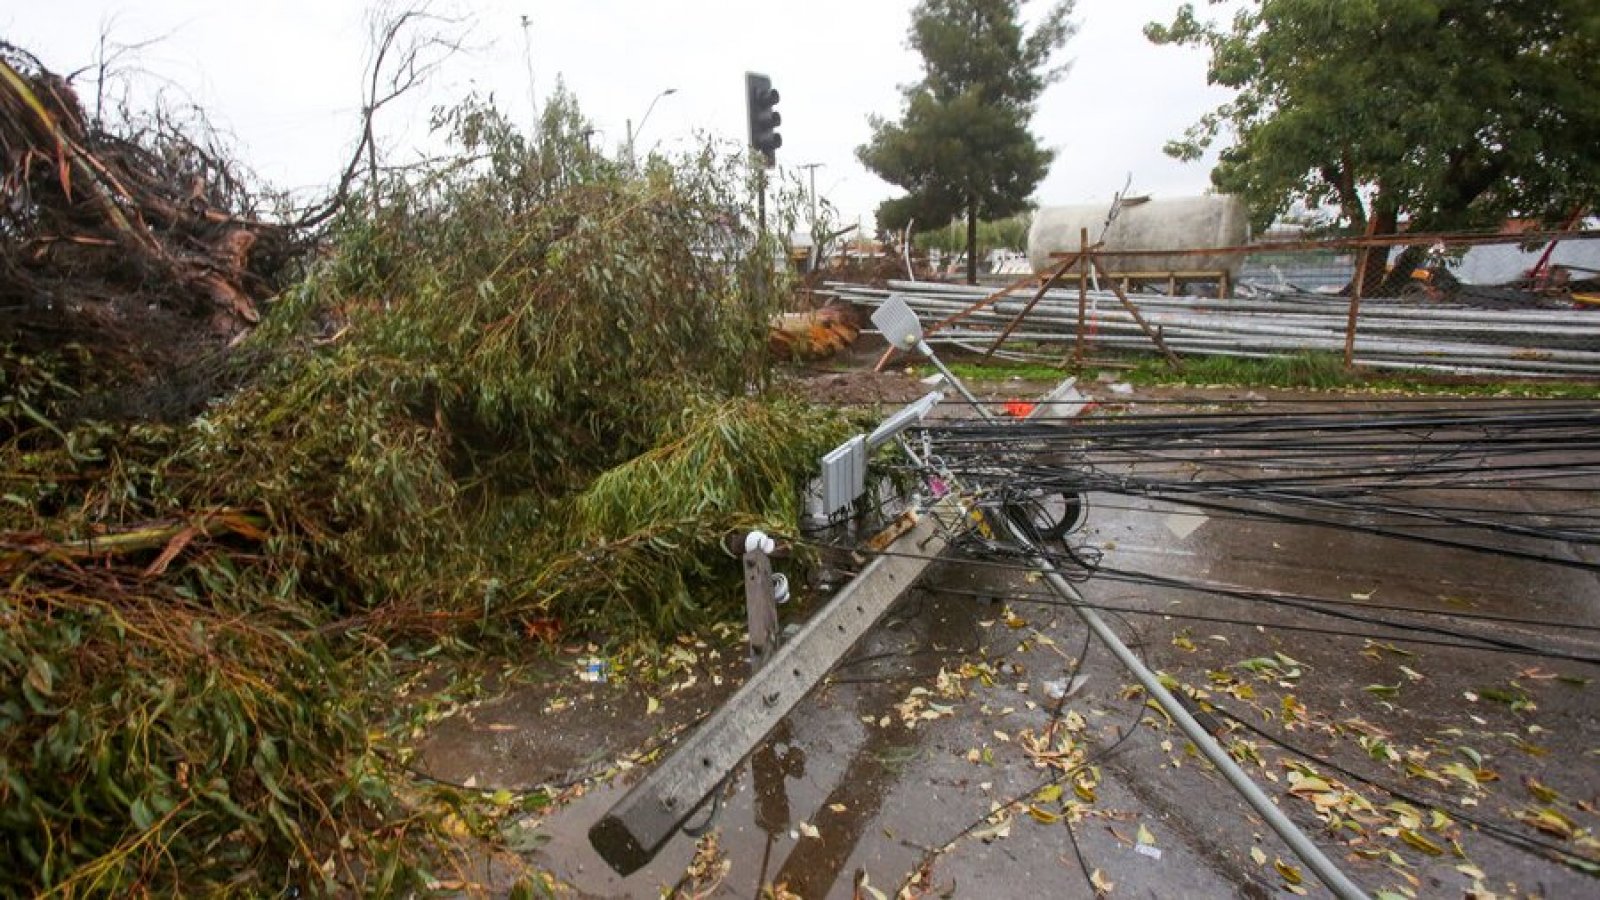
<point x="1304" y="629"/>
<point x="1099" y="756"/>
<point x="1501" y="643"/>
<point x="1490" y="644"/>
<point x="1293" y="519"/>
<point x="1089" y="760"/>
<point x="704" y="828"/>
<point x="1240" y="593"/>
<point x="1223" y="517"/>
<point x="1509" y="837"/>
<point x="1055" y="717"/>
<point x="1341" y="491"/>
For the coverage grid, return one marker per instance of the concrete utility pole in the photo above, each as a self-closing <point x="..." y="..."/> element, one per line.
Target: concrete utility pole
<point x="816" y="243"/>
<point x="812" y="169"/>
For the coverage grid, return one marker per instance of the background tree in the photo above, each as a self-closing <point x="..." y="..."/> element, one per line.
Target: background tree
<point x="1010" y="233"/>
<point x="962" y="142"/>
<point x="1452" y="114"/>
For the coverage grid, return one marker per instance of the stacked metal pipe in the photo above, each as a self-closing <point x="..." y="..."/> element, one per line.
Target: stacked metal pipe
<point x="1390" y="334"/>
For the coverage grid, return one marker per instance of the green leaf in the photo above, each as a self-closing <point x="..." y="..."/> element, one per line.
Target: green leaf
<point x="1420" y="842"/>
<point x="140" y="812"/>
<point x="41" y="677"/>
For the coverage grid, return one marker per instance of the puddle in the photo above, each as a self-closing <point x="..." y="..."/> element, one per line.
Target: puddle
<point x="824" y="771"/>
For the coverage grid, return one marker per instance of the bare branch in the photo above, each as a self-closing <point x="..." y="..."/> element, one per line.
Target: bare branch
<point x="408" y="47"/>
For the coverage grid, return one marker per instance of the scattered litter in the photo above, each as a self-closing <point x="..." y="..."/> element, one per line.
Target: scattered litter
<point x="1145" y="843"/>
<point x="933" y="379"/>
<point x="593" y="669"/>
<point x="1018" y="409"/>
<point x="1060" y="689"/>
<point x="1121" y="388"/>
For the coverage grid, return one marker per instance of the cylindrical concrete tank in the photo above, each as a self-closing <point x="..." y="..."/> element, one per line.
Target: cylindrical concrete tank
<point x="1180" y="223"/>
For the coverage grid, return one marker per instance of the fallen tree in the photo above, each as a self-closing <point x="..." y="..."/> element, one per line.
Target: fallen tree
<point x="521" y="386"/>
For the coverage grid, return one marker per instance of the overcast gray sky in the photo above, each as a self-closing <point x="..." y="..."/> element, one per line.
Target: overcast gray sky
<point x="282" y="76"/>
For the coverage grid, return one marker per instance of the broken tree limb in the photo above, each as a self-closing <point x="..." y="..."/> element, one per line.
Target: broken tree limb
<point x="172" y="536"/>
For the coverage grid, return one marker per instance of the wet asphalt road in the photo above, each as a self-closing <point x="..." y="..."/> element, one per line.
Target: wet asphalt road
<point x="888" y="770"/>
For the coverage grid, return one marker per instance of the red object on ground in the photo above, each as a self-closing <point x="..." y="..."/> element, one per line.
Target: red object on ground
<point x="1020" y="409"/>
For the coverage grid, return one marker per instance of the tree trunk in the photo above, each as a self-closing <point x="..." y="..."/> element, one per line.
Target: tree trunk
<point x="1385" y="221"/>
<point x="972" y="240"/>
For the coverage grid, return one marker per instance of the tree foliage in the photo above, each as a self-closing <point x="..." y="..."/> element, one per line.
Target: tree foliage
<point x="962" y="144"/>
<point x="1010" y="233"/>
<point x="1452" y="113"/>
<point x="198" y="682"/>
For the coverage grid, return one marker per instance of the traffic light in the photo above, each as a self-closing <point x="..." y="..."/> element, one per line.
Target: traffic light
<point x="761" y="99"/>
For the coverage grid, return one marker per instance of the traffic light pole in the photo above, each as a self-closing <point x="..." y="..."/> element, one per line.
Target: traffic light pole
<point x="761" y="101"/>
<point x="761" y="200"/>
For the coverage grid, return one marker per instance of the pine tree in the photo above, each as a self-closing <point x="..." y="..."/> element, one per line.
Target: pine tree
<point x="962" y="142"/>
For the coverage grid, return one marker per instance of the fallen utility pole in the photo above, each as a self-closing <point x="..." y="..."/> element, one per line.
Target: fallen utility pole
<point x="632" y="832"/>
<point x="639" y="824"/>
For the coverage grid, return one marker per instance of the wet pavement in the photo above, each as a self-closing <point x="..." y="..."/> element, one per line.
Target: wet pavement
<point x="934" y="755"/>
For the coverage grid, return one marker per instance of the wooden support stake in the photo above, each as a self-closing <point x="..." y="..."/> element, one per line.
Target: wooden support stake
<point x="1355" y="309"/>
<point x="1037" y="296"/>
<point x="1083" y="293"/>
<point x="1144" y="326"/>
<point x="761" y="607"/>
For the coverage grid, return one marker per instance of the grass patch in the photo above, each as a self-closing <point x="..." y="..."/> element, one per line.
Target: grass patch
<point x="1319" y="371"/>
<point x="1326" y="371"/>
<point x="971" y="370"/>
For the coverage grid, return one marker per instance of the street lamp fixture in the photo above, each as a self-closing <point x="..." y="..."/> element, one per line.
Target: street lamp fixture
<point x="633" y="133"/>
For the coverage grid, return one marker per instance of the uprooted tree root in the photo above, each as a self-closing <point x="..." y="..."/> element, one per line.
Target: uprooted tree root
<point x="137" y="242"/>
